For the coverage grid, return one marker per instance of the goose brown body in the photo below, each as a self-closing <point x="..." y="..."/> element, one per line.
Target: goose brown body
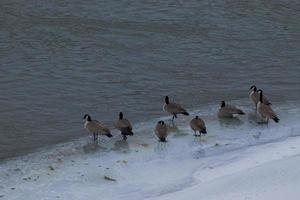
<point x="96" y="128"/>
<point x="197" y="124"/>
<point x="254" y="97"/>
<point x="229" y="111"/>
<point x="124" y="126"/>
<point x="161" y="131"/>
<point x="265" y="111"/>
<point x="174" y="108"/>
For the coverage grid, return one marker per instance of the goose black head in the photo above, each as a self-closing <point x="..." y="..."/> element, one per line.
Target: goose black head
<point x="87" y="117"/>
<point x="222" y="104"/>
<point x="197" y="117"/>
<point x="167" y="100"/>
<point x="253" y="88"/>
<point x="120" y="115"/>
<point x="161" y="122"/>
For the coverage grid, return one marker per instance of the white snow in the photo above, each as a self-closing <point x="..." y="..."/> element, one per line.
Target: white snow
<point x="270" y="171"/>
<point x="237" y="159"/>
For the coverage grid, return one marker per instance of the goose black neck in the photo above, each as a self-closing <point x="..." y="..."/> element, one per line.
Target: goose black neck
<point x="253" y="87"/>
<point x="120" y="115"/>
<point x="261" y="96"/>
<point x="88" y="118"/>
<point x="223" y="104"/>
<point x="167" y="100"/>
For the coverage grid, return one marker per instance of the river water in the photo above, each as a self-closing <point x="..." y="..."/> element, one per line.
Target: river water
<point x="62" y="59"/>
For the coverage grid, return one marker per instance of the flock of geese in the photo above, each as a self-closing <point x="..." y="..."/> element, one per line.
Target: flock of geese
<point x="262" y="106"/>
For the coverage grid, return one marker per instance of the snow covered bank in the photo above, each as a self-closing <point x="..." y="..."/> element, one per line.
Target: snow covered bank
<point x="270" y="171"/>
<point x="142" y="168"/>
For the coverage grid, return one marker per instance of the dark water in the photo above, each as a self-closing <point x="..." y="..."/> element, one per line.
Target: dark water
<point x="62" y="59"/>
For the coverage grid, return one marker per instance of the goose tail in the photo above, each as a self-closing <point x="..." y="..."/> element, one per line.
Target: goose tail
<point x="126" y="132"/>
<point x="130" y="132"/>
<point x="109" y="135"/>
<point x="185" y="113"/>
<point x="241" y="112"/>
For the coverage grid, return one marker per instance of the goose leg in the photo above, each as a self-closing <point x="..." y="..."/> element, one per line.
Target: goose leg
<point x="124" y="137"/>
<point x="174" y="116"/>
<point x="195" y="133"/>
<point x="94" y="138"/>
<point x="200" y="134"/>
<point x="161" y="145"/>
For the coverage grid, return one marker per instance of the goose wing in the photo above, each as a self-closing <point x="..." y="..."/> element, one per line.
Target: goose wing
<point x="174" y="108"/>
<point x="123" y="123"/>
<point x="197" y="124"/>
<point x="201" y="124"/>
<point x="267" y="111"/>
<point x="97" y="126"/>
<point x="230" y="109"/>
<point x="266" y="101"/>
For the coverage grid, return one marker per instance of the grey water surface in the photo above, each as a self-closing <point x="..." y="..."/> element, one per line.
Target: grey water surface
<point x="60" y="59"/>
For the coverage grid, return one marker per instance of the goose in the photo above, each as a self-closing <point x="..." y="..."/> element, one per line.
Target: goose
<point x="254" y="96"/>
<point x="161" y="131"/>
<point x="124" y="126"/>
<point x="95" y="127"/>
<point x="173" y="108"/>
<point x="265" y="111"/>
<point x="197" y="124"/>
<point x="229" y="111"/>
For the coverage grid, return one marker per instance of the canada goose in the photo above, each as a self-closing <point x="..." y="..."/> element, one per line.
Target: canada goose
<point x="229" y="111"/>
<point x="124" y="126"/>
<point x="173" y="108"/>
<point x="197" y="124"/>
<point x="161" y="131"/>
<point x="254" y="96"/>
<point x="265" y="111"/>
<point x="95" y="127"/>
